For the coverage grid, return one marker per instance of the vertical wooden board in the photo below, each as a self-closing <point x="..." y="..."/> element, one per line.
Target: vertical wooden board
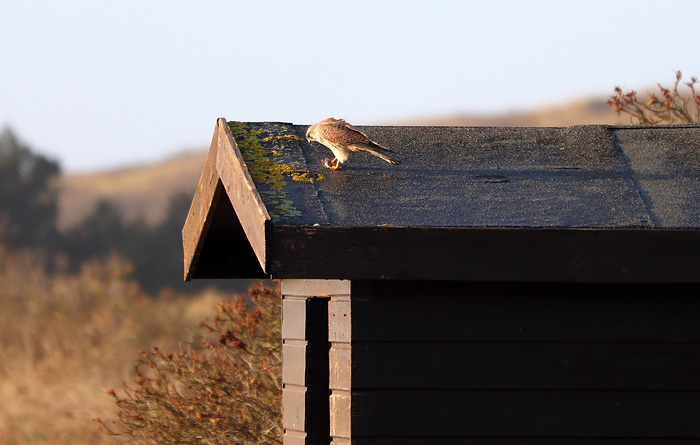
<point x="340" y="366"/>
<point x="199" y="216"/>
<point x="305" y="368"/>
<point x="294" y="408"/>
<point x="293" y="318"/>
<point x="242" y="192"/>
<point x="339" y="321"/>
<point x="340" y="404"/>
<point x="305" y="363"/>
<point x="294" y="362"/>
<point x="294" y="438"/>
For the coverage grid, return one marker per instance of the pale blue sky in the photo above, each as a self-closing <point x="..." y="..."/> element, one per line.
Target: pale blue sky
<point x="98" y="84"/>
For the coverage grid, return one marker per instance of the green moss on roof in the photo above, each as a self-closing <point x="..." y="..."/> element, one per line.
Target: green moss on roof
<point x="282" y="138"/>
<point x="269" y="175"/>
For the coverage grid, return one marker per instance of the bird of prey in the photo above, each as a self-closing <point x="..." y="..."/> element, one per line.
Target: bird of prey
<point x="342" y="138"/>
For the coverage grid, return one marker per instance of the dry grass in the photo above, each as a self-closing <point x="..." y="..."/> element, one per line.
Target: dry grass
<point x="64" y="340"/>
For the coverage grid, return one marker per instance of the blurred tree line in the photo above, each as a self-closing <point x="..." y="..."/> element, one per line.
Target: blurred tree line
<point x="28" y="219"/>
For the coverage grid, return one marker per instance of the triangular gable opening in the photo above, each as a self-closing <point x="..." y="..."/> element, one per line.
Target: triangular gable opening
<point x="226" y="252"/>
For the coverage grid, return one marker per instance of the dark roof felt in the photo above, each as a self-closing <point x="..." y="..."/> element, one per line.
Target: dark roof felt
<point x="586" y="176"/>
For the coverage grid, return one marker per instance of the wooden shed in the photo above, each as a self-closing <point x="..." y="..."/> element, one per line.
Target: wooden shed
<point x="501" y="286"/>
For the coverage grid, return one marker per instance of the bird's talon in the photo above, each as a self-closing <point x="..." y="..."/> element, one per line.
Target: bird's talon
<point x="333" y="164"/>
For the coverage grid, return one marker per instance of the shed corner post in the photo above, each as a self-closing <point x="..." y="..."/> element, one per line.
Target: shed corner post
<point x="340" y="367"/>
<point x="305" y="358"/>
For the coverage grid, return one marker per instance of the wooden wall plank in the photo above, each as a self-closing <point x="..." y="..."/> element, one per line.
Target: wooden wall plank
<point x="315" y="288"/>
<point x="579" y="366"/>
<point x="512" y="441"/>
<point x="523" y="363"/>
<point x="582" y="414"/>
<point x="480" y="312"/>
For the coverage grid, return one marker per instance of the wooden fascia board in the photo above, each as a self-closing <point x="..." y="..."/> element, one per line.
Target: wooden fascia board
<point x="201" y="211"/>
<point x="241" y="190"/>
<point x="486" y="254"/>
<point x="224" y="164"/>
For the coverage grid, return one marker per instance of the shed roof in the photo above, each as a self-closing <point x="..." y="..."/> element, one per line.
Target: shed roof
<point x="466" y="203"/>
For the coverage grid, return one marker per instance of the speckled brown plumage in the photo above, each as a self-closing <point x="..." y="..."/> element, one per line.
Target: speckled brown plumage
<point x="342" y="138"/>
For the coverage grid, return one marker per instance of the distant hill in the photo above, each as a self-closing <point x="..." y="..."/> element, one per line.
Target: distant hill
<point x="577" y="112"/>
<point x="139" y="192"/>
<point x="144" y="191"/>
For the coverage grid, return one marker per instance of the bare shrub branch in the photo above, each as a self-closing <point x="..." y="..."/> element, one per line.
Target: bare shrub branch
<point x="670" y="107"/>
<point x="223" y="387"/>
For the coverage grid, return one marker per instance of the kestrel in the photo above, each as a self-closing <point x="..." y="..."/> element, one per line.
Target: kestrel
<point x="342" y="138"/>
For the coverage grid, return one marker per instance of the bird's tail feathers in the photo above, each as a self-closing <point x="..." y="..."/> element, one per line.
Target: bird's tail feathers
<point x="375" y="149"/>
<point x="379" y="147"/>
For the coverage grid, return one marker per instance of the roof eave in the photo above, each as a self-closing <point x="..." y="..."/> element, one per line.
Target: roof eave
<point x="550" y="254"/>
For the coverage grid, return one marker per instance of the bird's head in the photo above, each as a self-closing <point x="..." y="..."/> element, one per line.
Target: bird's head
<point x="311" y="133"/>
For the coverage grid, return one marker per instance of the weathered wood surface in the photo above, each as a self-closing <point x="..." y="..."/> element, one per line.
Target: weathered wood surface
<point x="521" y="363"/>
<point x="588" y="203"/>
<point x="305" y="411"/>
<point x="305" y="371"/>
<point x="340" y="368"/>
<point x="518" y="413"/>
<point x="201" y="210"/>
<point x="509" y="441"/>
<point x="584" y="366"/>
<point x="486" y="254"/>
<point x="316" y="288"/>
<point x="525" y="312"/>
<point x="227" y="219"/>
<point x="240" y="188"/>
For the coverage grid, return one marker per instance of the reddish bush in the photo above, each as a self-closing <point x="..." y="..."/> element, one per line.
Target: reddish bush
<point x="224" y="387"/>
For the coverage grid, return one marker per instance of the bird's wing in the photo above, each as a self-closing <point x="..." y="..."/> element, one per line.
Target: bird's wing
<point x="340" y="132"/>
